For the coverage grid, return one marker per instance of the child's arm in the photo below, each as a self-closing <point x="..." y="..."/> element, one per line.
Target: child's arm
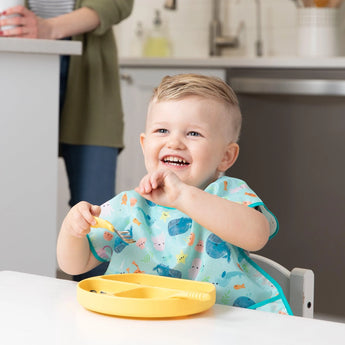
<point x="73" y="251"/>
<point x="237" y="224"/>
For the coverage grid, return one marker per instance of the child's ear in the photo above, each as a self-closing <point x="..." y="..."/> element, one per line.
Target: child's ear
<point x="142" y="139"/>
<point x="230" y="157"/>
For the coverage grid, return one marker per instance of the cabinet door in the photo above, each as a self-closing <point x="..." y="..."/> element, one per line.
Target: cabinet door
<point x="137" y="85"/>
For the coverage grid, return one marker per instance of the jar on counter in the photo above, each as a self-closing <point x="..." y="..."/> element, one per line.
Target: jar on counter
<point x="318" y="32"/>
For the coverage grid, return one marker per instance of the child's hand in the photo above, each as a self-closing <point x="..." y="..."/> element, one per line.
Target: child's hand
<point x="161" y="187"/>
<point x="79" y="219"/>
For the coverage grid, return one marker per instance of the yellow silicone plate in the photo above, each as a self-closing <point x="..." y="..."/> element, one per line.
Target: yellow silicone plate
<point x="145" y="296"/>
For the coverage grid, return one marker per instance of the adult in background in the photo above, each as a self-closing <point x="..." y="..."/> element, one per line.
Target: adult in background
<point x="91" y="117"/>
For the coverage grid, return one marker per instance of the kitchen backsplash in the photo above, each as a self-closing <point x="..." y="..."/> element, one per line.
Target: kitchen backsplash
<point x="187" y="27"/>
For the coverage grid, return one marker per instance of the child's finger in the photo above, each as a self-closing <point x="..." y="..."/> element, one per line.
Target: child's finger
<point x="144" y="185"/>
<point x="78" y="227"/>
<point x="147" y="186"/>
<point x="86" y="211"/>
<point x="156" y="179"/>
<point x="83" y="223"/>
<point x="95" y="210"/>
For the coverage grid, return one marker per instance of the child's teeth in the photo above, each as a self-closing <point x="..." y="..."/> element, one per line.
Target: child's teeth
<point x="175" y="160"/>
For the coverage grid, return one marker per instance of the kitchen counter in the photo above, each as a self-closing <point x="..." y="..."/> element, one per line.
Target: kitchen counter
<point x="269" y="75"/>
<point x="29" y="96"/>
<point x="39" y="46"/>
<point x="237" y="62"/>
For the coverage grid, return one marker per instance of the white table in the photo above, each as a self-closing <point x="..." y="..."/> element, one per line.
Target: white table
<point x="41" y="310"/>
<point x="29" y="96"/>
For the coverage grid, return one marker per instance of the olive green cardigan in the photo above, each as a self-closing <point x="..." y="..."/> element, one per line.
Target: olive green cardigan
<point x="92" y="112"/>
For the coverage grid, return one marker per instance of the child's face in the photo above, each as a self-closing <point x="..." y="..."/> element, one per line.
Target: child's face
<point x="189" y="137"/>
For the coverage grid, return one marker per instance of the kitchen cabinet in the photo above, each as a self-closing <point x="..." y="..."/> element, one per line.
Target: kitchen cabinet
<point x="29" y="94"/>
<point x="137" y="85"/>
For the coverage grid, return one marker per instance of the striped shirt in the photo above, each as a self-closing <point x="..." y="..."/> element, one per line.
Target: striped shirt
<point x="51" y="8"/>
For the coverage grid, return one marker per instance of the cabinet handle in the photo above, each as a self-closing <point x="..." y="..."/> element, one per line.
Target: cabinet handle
<point x="272" y="86"/>
<point x="126" y="77"/>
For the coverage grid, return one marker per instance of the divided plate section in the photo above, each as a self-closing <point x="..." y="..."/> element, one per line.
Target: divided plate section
<point x="100" y="285"/>
<point x="144" y="295"/>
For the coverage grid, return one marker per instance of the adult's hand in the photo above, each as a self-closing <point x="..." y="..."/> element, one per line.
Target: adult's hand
<point x="26" y="24"/>
<point x="31" y="26"/>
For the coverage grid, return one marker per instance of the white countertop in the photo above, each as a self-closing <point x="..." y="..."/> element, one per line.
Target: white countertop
<point x="39" y="46"/>
<point x="237" y="62"/>
<point x="42" y="310"/>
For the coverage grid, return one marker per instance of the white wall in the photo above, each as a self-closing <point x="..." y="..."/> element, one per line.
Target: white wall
<point x="188" y="26"/>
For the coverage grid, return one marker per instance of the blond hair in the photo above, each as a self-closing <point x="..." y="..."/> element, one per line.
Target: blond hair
<point x="183" y="85"/>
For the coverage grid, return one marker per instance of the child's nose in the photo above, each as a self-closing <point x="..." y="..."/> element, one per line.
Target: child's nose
<point x="176" y="141"/>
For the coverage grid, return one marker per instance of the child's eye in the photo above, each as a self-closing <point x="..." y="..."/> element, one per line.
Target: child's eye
<point x="162" y="130"/>
<point x="194" y="134"/>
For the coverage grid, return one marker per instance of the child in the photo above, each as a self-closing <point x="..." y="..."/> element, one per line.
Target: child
<point x="187" y="221"/>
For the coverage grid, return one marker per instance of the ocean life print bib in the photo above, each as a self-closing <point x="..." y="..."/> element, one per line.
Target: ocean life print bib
<point x="169" y="243"/>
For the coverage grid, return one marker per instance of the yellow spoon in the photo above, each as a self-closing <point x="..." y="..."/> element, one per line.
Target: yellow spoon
<point x="123" y="234"/>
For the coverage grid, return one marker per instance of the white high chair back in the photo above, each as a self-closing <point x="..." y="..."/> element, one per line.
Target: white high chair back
<point x="298" y="285"/>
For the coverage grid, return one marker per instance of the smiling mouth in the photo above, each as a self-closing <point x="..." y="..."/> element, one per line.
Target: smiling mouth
<point x="175" y="161"/>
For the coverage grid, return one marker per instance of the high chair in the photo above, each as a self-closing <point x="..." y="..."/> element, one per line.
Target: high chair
<point x="297" y="285"/>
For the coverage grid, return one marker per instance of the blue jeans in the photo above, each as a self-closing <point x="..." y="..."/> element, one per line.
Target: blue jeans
<point x="91" y="170"/>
